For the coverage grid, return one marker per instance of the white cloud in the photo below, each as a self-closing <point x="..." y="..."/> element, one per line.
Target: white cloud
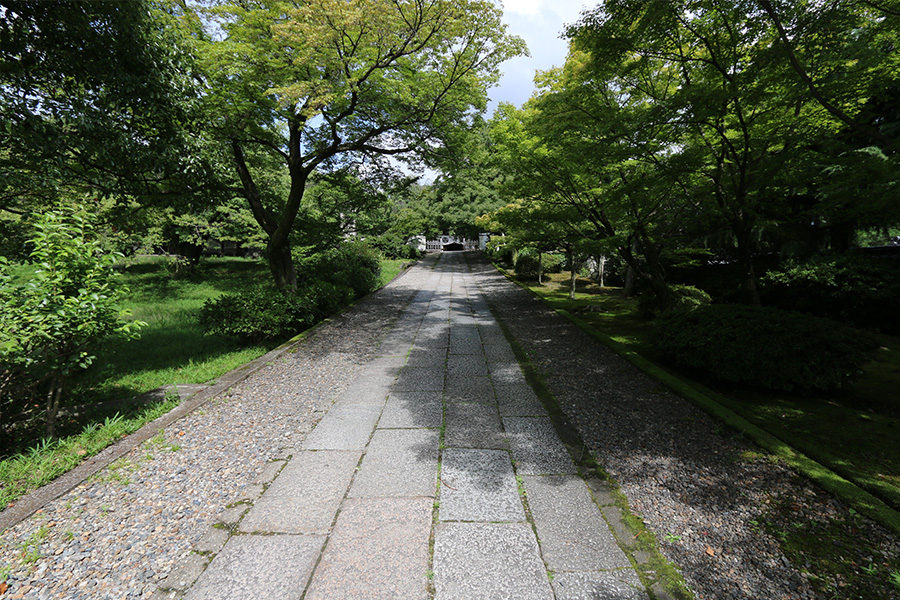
<point x="540" y="23"/>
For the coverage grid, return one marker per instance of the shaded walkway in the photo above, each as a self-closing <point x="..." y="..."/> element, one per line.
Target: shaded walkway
<point x="437" y="472"/>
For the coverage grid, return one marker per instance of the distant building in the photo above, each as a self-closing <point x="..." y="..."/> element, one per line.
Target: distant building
<point x="446" y="243"/>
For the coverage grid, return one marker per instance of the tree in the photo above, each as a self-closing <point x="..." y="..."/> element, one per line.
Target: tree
<point x="331" y="85"/>
<point x="51" y="326"/>
<point x="96" y="98"/>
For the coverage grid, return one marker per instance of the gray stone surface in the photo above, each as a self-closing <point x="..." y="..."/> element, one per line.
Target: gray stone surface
<point x="420" y="379"/>
<point x="262" y="567"/>
<point x="573" y="533"/>
<point x="427" y="357"/>
<point x="499" y="352"/>
<point x="466" y="365"/>
<point x="186" y="573"/>
<point x="306" y="495"/>
<point x="379" y="550"/>
<point x="536" y="448"/>
<point x="345" y="427"/>
<point x="411" y="410"/>
<point x="469" y="389"/>
<point x="505" y="373"/>
<point x="469" y="344"/>
<point x="518" y="400"/>
<point x="621" y="584"/>
<point x="478" y="485"/>
<point x="212" y="540"/>
<point x="398" y="462"/>
<point x="473" y="425"/>
<point x="488" y="561"/>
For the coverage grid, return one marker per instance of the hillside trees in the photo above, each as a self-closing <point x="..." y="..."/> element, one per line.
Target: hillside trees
<point x="336" y="85"/>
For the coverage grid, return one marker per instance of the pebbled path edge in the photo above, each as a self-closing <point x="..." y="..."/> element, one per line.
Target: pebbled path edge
<point x="30" y="503"/>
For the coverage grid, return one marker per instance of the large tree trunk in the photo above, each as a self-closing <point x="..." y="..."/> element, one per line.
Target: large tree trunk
<point x="281" y="264"/>
<point x="573" y="274"/>
<point x="743" y="232"/>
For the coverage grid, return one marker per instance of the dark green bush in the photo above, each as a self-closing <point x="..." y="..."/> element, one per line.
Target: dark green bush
<point x="763" y="347"/>
<point x="393" y="245"/>
<point x="264" y="313"/>
<point x="527" y="263"/>
<point x="682" y="297"/>
<point x="855" y="289"/>
<point x="354" y="264"/>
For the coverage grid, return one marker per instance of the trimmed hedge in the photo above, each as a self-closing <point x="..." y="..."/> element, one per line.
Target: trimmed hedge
<point x="763" y="347"/>
<point x="264" y="313"/>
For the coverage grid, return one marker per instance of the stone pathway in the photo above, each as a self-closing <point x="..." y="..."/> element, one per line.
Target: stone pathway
<point x="437" y="473"/>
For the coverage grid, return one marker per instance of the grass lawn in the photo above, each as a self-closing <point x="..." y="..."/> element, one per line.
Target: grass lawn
<point x="172" y="349"/>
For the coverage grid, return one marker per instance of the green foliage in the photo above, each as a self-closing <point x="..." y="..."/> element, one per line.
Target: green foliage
<point x="48" y="459"/>
<point x="850" y="288"/>
<point x="527" y="263"/>
<point x="51" y="327"/>
<point x="681" y="298"/>
<point x="763" y="347"/>
<point x="355" y="264"/>
<point x="394" y="246"/>
<point x="263" y="313"/>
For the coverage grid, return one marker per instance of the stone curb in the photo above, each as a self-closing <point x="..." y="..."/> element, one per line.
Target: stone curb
<point x="27" y="505"/>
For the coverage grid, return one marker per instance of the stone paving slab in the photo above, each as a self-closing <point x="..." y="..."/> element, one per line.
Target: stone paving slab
<point x="536" y="448"/>
<point x="500" y="353"/>
<point x="599" y="585"/>
<point x="406" y="410"/>
<point x="574" y="536"/>
<point x="474" y="425"/>
<point x="420" y="379"/>
<point x="507" y="374"/>
<point x="479" y="485"/>
<point x="466" y="365"/>
<point x="398" y="462"/>
<point x="259" y="567"/>
<point x="379" y="550"/>
<point x="518" y="400"/>
<point x="488" y="561"/>
<point x="465" y="345"/>
<point x="469" y="389"/>
<point x="344" y="427"/>
<point x="427" y="357"/>
<point x="306" y="495"/>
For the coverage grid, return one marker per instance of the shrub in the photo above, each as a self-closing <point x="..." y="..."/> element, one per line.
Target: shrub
<point x="353" y="264"/>
<point x="527" y="263"/>
<point x="682" y="297"/>
<point x="854" y="289"/>
<point x="52" y="326"/>
<point x="553" y="263"/>
<point x="764" y="347"/>
<point x="264" y="313"/>
<point x="394" y="246"/>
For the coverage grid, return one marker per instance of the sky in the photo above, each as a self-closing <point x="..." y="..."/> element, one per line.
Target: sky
<point x="539" y="23"/>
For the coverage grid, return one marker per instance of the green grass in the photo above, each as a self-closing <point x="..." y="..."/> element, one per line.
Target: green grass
<point x="47" y="460"/>
<point x="851" y="432"/>
<point x="172" y="349"/>
<point x="390" y="268"/>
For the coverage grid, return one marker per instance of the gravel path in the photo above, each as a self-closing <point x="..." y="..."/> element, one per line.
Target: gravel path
<point x="120" y="533"/>
<point x="699" y="488"/>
